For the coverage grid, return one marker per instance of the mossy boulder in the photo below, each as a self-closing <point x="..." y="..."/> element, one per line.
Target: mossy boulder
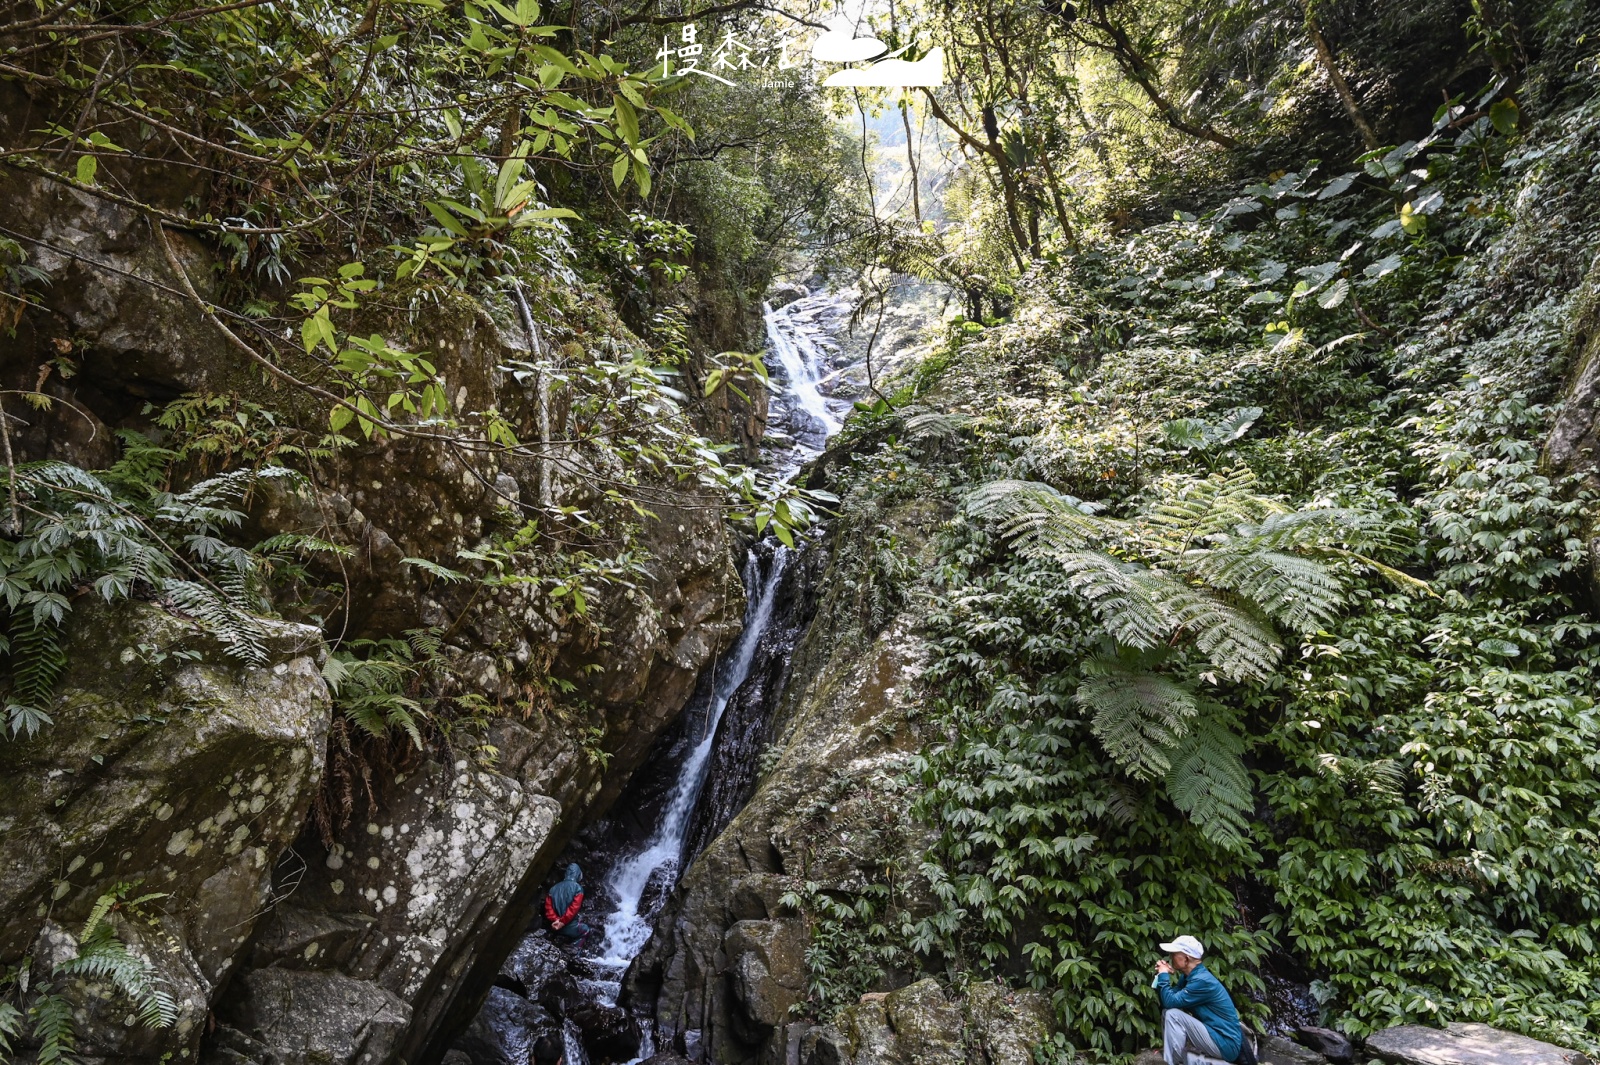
<point x="169" y="766"/>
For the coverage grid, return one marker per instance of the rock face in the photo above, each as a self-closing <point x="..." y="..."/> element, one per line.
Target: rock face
<point x="922" y="1025"/>
<point x="381" y="945"/>
<point x="1466" y="1044"/>
<point x="1331" y="1044"/>
<point x="171" y="767"/>
<point x="1276" y="1050"/>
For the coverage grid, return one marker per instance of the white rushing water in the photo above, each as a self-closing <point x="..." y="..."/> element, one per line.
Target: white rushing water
<point x="798" y="341"/>
<point x="628" y="926"/>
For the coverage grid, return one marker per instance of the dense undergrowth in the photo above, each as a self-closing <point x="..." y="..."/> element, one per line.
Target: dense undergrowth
<point x="1416" y="838"/>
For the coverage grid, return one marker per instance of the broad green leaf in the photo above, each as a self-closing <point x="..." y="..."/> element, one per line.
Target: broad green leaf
<point x="1504" y="114"/>
<point x="1335" y="295"/>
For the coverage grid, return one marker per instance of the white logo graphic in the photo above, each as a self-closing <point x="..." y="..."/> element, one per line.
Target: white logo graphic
<point x="890" y="72"/>
<point x="839" y="44"/>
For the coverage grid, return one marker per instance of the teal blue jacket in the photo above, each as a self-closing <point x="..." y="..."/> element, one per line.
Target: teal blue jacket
<point x="1203" y="997"/>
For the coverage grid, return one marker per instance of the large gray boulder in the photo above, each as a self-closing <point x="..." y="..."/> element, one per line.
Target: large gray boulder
<point x="1466" y="1044"/>
<point x="186" y="774"/>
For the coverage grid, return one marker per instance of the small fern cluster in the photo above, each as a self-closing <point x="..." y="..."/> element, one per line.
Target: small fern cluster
<point x="121" y="535"/>
<point x="102" y="958"/>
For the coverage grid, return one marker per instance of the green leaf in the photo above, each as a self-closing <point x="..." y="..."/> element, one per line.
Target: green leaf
<point x="87" y="165"/>
<point x="1504" y="114"/>
<point x="619" y="169"/>
<point x="627" y="120"/>
<point x="1496" y="646"/>
<point x="1335" y="295"/>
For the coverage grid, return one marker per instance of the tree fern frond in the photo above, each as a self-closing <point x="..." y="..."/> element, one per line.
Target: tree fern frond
<point x="1238" y="642"/>
<point x="1129" y="600"/>
<point x="1137" y="715"/>
<point x="1208" y="780"/>
<point x="936" y="425"/>
<point x="1040" y="520"/>
<point x="1190" y="510"/>
<point x="1293" y="590"/>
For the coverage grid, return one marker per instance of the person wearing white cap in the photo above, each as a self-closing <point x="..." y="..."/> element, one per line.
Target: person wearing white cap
<point x="1199" y="1021"/>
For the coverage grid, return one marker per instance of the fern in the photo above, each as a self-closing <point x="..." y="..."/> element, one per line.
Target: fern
<point x="370" y="691"/>
<point x="1138" y="715"/>
<point x="1208" y="780"/>
<point x="11" y="1022"/>
<point x="1210" y="565"/>
<point x="53" y="1027"/>
<point x="37" y="661"/>
<point x="121" y="535"/>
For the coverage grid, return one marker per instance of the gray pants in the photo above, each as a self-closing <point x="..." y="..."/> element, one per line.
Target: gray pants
<point x="1185" y="1041"/>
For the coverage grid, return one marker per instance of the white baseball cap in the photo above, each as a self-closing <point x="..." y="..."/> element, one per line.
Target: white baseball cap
<point x="1185" y="945"/>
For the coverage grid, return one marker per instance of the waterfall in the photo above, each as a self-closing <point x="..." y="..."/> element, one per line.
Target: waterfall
<point x="798" y="344"/>
<point x="628" y="926"/>
<point x="639" y="879"/>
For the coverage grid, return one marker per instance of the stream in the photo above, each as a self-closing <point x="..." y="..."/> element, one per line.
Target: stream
<point x="633" y="859"/>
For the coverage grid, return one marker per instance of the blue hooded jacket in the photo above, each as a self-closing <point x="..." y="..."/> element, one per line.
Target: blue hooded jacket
<point x="564" y="900"/>
<point x="1202" y="996"/>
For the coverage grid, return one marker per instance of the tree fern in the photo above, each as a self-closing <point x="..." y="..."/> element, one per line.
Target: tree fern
<point x="1210" y="565"/>
<point x="1138" y="714"/>
<point x="1208" y="780"/>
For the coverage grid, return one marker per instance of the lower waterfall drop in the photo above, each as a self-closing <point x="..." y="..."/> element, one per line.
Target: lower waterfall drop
<point x="628" y="926"/>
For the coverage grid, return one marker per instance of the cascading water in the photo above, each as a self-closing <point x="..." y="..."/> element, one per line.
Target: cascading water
<point x="638" y="881"/>
<point x="628" y="926"/>
<point x="797" y="343"/>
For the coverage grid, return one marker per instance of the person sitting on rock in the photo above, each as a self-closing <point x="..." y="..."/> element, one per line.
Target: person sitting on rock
<point x="562" y="904"/>
<point x="1199" y="1021"/>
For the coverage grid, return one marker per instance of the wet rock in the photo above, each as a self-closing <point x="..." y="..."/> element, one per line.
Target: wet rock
<point x="1276" y="1050"/>
<point x="609" y="1033"/>
<point x="1331" y="1044"/>
<point x="310" y="1018"/>
<point x="1466" y="1044"/>
<point x="1149" y="1057"/>
<point x="186" y="775"/>
<point x="784" y="293"/>
<point x="505" y="1030"/>
<point x="827" y="808"/>
<point x="544" y="971"/>
<point x="666" y="1059"/>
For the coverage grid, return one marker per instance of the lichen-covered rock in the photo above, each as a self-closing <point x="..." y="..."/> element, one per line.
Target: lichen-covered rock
<point x="402" y="905"/>
<point x="169" y="766"/>
<point x="294" y="1017"/>
<point x="1465" y="1044"/>
<point x="1006" y="1025"/>
<point x="923" y="1025"/>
